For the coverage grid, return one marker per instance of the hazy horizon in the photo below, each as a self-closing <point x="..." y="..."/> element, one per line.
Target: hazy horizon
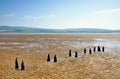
<point x="60" y="28"/>
<point x="61" y="14"/>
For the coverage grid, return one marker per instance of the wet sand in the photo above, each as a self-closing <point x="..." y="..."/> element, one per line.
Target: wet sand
<point x="33" y="49"/>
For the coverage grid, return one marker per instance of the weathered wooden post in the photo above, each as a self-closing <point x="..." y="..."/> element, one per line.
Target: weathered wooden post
<point x="99" y="50"/>
<point x="94" y="49"/>
<point x="84" y="50"/>
<point x="103" y="49"/>
<point x="48" y="58"/>
<point x="55" y="58"/>
<point x="76" y="55"/>
<point x="22" y="66"/>
<point x="69" y="53"/>
<point x="90" y="51"/>
<point x="16" y="64"/>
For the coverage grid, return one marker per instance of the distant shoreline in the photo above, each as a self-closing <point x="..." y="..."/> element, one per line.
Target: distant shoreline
<point x="50" y="33"/>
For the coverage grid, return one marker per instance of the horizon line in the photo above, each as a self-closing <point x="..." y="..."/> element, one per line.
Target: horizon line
<point x="58" y="28"/>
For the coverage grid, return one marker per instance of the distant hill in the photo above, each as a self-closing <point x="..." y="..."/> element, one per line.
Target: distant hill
<point x="10" y="29"/>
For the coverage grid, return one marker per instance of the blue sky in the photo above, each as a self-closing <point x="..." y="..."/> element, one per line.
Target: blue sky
<point x="60" y="14"/>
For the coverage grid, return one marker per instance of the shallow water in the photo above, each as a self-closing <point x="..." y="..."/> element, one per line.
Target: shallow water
<point x="111" y="45"/>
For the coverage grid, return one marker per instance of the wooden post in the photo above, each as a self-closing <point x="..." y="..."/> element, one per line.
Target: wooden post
<point x="48" y="58"/>
<point x="99" y="50"/>
<point x="22" y="66"/>
<point x="103" y="49"/>
<point x="55" y="58"/>
<point x="69" y="53"/>
<point x="84" y="50"/>
<point x="16" y="64"/>
<point x="94" y="49"/>
<point x="90" y="51"/>
<point x="76" y="55"/>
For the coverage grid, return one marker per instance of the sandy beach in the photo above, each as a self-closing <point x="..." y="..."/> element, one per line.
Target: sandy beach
<point x="34" y="48"/>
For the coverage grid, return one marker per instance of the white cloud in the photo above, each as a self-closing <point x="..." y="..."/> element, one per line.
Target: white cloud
<point x="109" y="11"/>
<point x="108" y="19"/>
<point x="8" y="15"/>
<point x="27" y="16"/>
<point x="39" y="17"/>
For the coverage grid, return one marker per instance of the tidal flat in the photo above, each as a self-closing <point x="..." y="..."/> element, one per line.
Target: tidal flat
<point x="33" y="49"/>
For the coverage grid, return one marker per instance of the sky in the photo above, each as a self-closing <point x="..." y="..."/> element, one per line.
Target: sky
<point x="61" y="14"/>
